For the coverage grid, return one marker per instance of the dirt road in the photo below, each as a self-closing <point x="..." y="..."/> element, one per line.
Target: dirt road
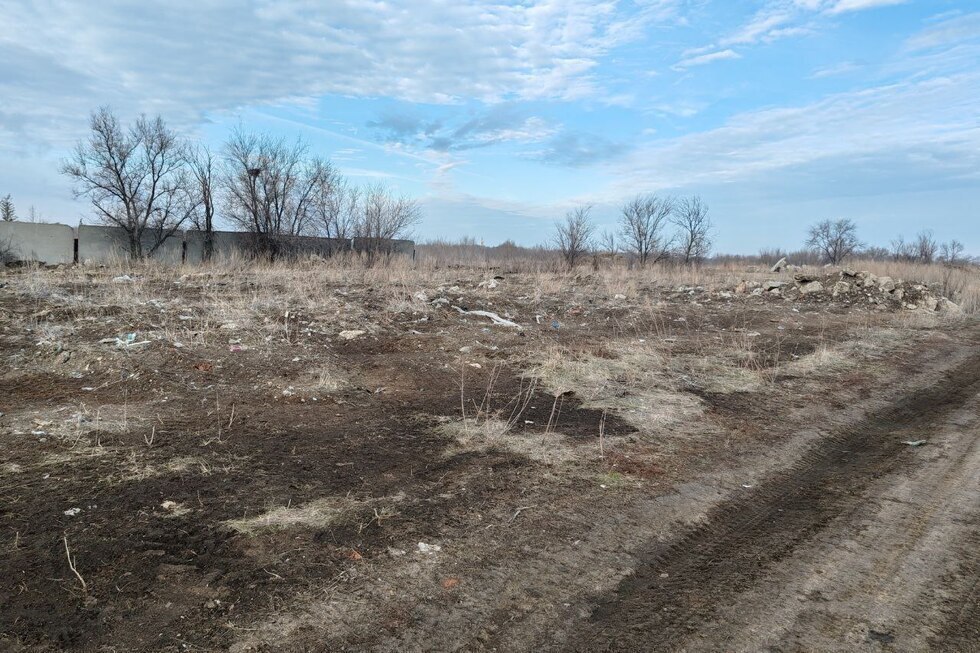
<point x="868" y="543"/>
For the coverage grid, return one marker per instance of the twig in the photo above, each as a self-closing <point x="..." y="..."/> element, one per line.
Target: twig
<point x="519" y="511"/>
<point x="231" y="420"/>
<point x="71" y="565"/>
<point x="602" y="434"/>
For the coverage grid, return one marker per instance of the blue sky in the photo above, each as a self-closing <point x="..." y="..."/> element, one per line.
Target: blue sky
<point x="500" y="117"/>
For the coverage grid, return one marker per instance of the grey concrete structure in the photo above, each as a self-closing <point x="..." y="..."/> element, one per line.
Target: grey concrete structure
<point x="50" y="244"/>
<point x="107" y="244"/>
<point x="58" y="243"/>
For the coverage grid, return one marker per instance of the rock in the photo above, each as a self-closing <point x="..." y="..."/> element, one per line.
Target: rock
<point x="758" y="291"/>
<point x="930" y="303"/>
<point x="870" y="280"/>
<point x="125" y="278"/>
<point x="420" y="296"/>
<point x="773" y="285"/>
<point x="948" y="307"/>
<point x="841" y="288"/>
<point x="886" y="284"/>
<point x="229" y="326"/>
<point x="351" y="334"/>
<point x="805" y="277"/>
<point x="778" y="267"/>
<point x="848" y="273"/>
<point x="439" y="301"/>
<point x="489" y="285"/>
<point x="811" y="287"/>
<point x="898" y="294"/>
<point x="429" y="549"/>
<point x="619" y="296"/>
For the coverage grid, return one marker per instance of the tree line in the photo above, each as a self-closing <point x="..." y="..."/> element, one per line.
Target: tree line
<point x="150" y="182"/>
<point x="651" y="229"/>
<point x="834" y="241"/>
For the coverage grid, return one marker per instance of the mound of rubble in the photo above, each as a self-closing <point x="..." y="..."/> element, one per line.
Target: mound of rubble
<point x="852" y="287"/>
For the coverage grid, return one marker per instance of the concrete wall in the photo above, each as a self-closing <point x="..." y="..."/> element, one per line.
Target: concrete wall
<point x="46" y="243"/>
<point x="57" y="243"/>
<point x="106" y="244"/>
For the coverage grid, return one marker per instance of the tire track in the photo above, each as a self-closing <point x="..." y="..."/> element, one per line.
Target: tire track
<point x="675" y="589"/>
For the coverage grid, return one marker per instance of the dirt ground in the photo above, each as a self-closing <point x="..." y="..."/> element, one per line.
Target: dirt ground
<point x="323" y="460"/>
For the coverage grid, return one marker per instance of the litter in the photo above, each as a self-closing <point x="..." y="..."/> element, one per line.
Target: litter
<point x="429" y="549"/>
<point x="914" y="443"/>
<point x="496" y="319"/>
<point x="71" y="512"/>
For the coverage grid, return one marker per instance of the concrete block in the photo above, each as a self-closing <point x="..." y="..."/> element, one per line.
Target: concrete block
<point x="97" y="244"/>
<point x="50" y="244"/>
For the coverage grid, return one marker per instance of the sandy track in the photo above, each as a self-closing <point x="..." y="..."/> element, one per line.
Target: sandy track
<point x="866" y="541"/>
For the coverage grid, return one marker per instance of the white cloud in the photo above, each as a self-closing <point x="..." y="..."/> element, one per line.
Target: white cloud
<point x="935" y="117"/>
<point x="843" y="6"/>
<point x="703" y="59"/>
<point x="842" y="68"/>
<point x="946" y="33"/>
<point x="184" y="58"/>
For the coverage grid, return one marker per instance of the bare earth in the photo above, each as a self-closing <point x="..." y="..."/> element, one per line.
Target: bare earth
<point x="320" y="460"/>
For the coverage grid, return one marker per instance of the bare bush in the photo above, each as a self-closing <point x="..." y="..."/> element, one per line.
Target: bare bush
<point x="573" y="235"/>
<point x="642" y="227"/>
<point x="835" y="240"/>
<point x="694" y="229"/>
<point x="135" y="178"/>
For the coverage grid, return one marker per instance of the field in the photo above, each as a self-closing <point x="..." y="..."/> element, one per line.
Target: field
<point x="315" y="457"/>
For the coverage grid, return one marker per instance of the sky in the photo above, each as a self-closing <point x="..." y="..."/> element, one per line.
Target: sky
<point x="500" y="117"/>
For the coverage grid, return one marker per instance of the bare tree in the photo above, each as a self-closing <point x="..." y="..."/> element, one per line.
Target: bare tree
<point x="834" y="240"/>
<point x="901" y="250"/>
<point x="951" y="253"/>
<point x="337" y="207"/>
<point x="642" y="226"/>
<point x="925" y="247"/>
<point x="270" y="187"/>
<point x="608" y="242"/>
<point x="384" y="218"/>
<point x="7" y="213"/>
<point x="573" y="235"/>
<point x="135" y="178"/>
<point x="694" y="227"/>
<point x="203" y="173"/>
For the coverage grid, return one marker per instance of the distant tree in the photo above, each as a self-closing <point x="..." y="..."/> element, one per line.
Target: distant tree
<point x="573" y="235"/>
<point x="951" y="253"/>
<point x="902" y="250"/>
<point x="642" y="224"/>
<point x="136" y="178"/>
<point x="608" y="242"/>
<point x="925" y="247"/>
<point x="7" y="213"/>
<point x="204" y="186"/>
<point x="694" y="229"/>
<point x="384" y="217"/>
<point x="834" y="240"/>
<point x="876" y="253"/>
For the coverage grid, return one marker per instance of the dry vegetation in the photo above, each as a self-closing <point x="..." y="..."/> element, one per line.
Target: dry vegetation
<point x="262" y="456"/>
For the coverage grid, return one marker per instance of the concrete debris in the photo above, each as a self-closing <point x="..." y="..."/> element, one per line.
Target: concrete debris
<point x="779" y="265"/>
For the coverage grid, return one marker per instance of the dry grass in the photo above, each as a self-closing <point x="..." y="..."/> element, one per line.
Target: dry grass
<point x="550" y="448"/>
